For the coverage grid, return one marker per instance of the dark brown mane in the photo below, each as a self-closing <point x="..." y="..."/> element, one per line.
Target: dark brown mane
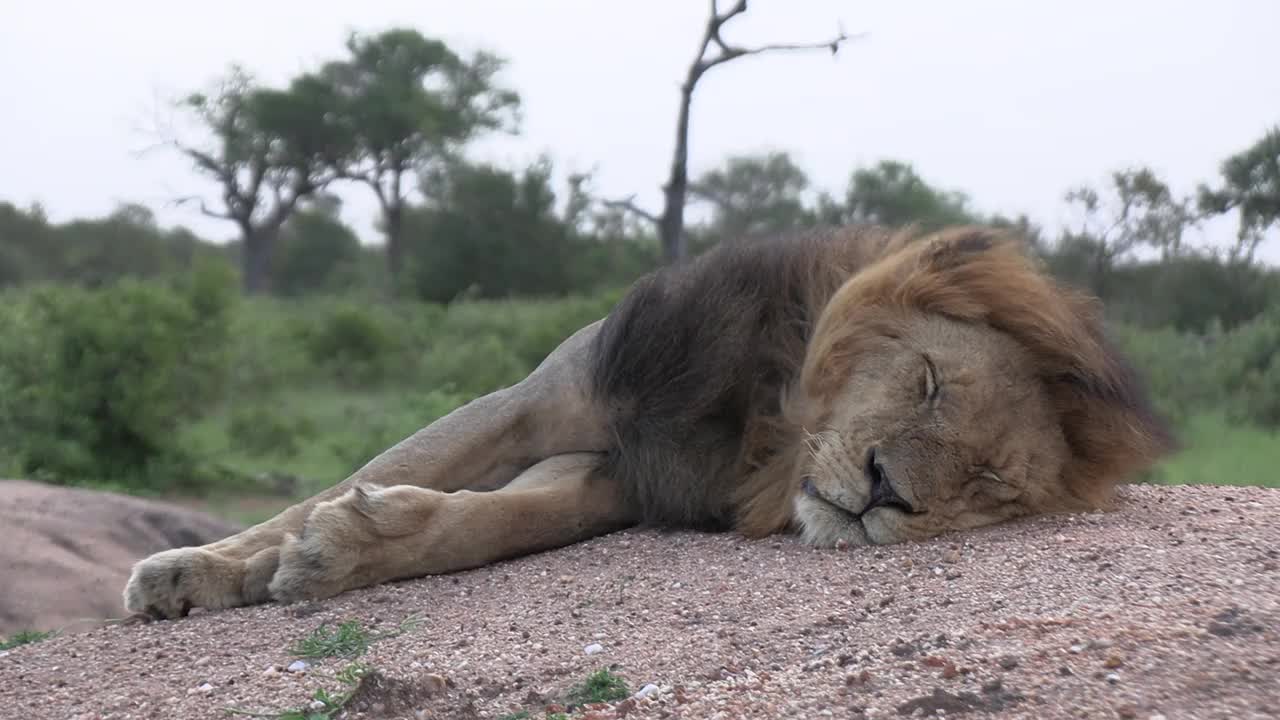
<point x="693" y="362"/>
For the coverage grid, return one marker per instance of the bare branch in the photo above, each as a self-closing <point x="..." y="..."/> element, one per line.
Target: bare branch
<point x="629" y="204"/>
<point x="732" y="53"/>
<point x="716" y="22"/>
<point x="204" y="209"/>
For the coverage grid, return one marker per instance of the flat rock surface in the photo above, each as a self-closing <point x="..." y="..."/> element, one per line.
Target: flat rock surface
<point x="1168" y="607"/>
<point x="65" y="553"/>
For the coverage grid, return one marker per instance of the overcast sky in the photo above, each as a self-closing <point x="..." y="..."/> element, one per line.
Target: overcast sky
<point x="1010" y="101"/>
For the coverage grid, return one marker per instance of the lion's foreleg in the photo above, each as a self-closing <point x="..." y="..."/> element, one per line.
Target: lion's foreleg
<point x="479" y="446"/>
<point x="373" y="535"/>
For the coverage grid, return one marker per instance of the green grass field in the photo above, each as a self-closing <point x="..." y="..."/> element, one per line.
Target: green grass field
<point x="1216" y="452"/>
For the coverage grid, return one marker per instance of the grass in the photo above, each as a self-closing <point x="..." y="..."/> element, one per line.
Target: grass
<point x="348" y="640"/>
<point x="600" y="686"/>
<point x="1218" y="452"/>
<point x="329" y="432"/>
<point x="25" y="637"/>
<point x="324" y="704"/>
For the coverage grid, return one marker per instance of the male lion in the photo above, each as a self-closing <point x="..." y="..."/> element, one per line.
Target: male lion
<point x="855" y="385"/>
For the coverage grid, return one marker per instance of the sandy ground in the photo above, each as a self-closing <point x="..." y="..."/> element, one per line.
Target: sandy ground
<point x="1167" y="608"/>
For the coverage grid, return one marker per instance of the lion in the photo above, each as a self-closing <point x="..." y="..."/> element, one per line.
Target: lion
<point x="851" y="386"/>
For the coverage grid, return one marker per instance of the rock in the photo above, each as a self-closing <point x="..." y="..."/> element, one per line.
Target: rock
<point x="951" y="556"/>
<point x="1112" y="662"/>
<point x="434" y="684"/>
<point x="71" y="550"/>
<point x="593" y="648"/>
<point x="903" y="649"/>
<point x="1008" y="662"/>
<point x="298" y="666"/>
<point x="646" y="691"/>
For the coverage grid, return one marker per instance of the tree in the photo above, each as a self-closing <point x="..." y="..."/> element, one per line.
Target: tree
<point x="488" y="232"/>
<point x="266" y="154"/>
<point x="405" y="101"/>
<point x="1145" y="212"/>
<point x="26" y="252"/>
<point x="713" y="51"/>
<point x="754" y="194"/>
<point x="317" y="252"/>
<point x="1250" y="186"/>
<point x="892" y="193"/>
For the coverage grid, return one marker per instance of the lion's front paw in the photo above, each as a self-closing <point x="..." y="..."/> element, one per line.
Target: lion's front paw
<point x="364" y="537"/>
<point x="170" y="583"/>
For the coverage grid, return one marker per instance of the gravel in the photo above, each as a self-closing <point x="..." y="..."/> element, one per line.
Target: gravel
<point x="1168" y="607"/>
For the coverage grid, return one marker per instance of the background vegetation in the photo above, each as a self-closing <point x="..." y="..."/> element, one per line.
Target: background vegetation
<point x="150" y="360"/>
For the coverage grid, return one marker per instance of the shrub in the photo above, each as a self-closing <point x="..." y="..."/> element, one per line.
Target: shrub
<point x="94" y="382"/>
<point x="356" y="346"/>
<point x="1247" y="368"/>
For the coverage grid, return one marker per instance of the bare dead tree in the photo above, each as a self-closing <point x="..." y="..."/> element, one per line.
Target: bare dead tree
<point x="713" y="51"/>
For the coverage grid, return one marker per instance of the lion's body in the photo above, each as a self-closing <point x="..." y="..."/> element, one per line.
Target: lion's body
<point x="856" y="385"/>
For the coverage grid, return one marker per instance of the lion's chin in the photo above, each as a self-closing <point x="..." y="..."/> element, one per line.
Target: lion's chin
<point x="824" y="526"/>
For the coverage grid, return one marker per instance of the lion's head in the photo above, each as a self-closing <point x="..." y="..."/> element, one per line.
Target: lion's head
<point x="953" y="384"/>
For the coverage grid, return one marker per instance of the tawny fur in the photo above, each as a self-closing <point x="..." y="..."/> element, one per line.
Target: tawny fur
<point x="858" y="385"/>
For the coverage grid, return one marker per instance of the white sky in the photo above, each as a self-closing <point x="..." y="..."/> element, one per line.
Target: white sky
<point x="1011" y="101"/>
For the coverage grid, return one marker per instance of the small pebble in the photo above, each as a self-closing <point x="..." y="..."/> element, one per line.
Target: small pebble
<point x="1113" y="678"/>
<point x="951" y="556"/>
<point x="298" y="666"/>
<point x="593" y="648"/>
<point x="647" y="690"/>
<point x="316" y="705"/>
<point x="433" y="683"/>
<point x="1112" y="662"/>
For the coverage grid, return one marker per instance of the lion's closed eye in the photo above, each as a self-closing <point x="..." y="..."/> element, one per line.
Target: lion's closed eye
<point x="931" y="388"/>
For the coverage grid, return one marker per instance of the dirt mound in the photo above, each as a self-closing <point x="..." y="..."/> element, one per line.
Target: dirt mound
<point x="1166" y="608"/>
<point x="65" y="553"/>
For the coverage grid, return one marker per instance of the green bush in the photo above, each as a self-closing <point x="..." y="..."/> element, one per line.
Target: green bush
<point x="356" y="345"/>
<point x="1234" y="372"/>
<point x="261" y="431"/>
<point x="1247" y="368"/>
<point x="94" y="383"/>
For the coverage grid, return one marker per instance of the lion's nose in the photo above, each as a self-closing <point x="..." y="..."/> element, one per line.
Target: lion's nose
<point x="882" y="492"/>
